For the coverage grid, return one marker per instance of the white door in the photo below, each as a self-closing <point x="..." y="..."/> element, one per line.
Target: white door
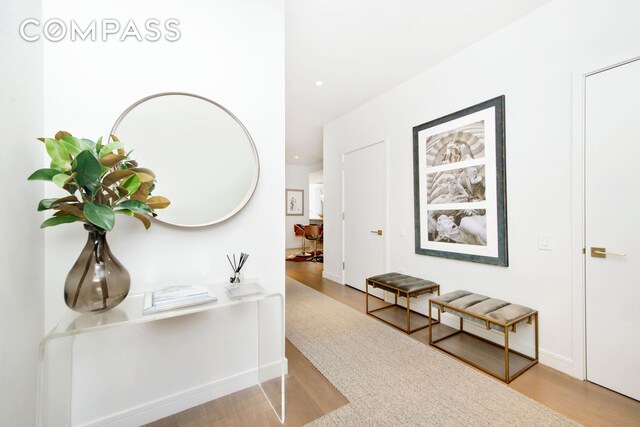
<point x="612" y="218"/>
<point x="364" y="209"/>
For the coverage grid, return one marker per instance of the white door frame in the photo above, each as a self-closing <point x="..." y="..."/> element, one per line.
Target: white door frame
<point x="385" y="177"/>
<point x="578" y="259"/>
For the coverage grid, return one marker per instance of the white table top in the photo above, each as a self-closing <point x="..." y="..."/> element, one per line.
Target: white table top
<point x="129" y="312"/>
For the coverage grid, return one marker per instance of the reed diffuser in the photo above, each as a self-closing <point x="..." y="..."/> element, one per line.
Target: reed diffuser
<point x="236" y="266"/>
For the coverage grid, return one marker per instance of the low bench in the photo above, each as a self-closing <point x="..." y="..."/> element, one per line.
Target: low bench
<point x="490" y="313"/>
<point x="402" y="285"/>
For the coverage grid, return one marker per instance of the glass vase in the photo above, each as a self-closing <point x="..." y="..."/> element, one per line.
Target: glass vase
<point x="97" y="281"/>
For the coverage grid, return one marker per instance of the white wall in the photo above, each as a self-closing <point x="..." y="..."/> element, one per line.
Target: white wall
<point x="315" y="201"/>
<point x="297" y="178"/>
<point x="21" y="251"/>
<point x="231" y="52"/>
<point x="531" y="62"/>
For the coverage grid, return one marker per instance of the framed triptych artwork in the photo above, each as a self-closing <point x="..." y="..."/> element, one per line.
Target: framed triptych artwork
<point x="460" y="185"/>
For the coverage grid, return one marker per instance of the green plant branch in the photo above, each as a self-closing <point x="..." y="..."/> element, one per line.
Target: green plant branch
<point x="87" y="164"/>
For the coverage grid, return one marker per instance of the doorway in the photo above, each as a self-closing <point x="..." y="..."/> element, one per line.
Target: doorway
<point x="364" y="219"/>
<point x="611" y="232"/>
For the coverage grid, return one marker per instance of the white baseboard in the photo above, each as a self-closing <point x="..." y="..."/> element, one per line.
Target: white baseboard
<point x="557" y="362"/>
<point x="333" y="277"/>
<point x="186" y="399"/>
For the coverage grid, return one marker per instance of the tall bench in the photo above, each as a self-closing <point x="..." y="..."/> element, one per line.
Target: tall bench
<point x="490" y="313"/>
<point x="401" y="285"/>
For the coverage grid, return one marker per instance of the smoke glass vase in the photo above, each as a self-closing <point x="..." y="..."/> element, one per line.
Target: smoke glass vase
<point x="97" y="281"/>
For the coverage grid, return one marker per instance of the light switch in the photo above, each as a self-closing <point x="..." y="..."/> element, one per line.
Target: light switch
<point x="545" y="241"/>
<point x="401" y="232"/>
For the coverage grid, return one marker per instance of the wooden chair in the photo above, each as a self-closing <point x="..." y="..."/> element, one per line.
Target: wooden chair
<point x="304" y="252"/>
<point x="313" y="233"/>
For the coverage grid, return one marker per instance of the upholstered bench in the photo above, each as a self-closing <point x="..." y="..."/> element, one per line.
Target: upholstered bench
<point x="403" y="286"/>
<point x="490" y="313"/>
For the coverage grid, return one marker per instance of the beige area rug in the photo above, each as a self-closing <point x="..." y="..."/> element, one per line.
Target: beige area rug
<point x="393" y="380"/>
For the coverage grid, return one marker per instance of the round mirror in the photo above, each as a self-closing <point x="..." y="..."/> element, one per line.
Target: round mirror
<point x="204" y="158"/>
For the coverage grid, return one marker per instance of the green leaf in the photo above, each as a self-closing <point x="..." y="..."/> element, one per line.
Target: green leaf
<point x="124" y="212"/>
<point x="43" y="174"/>
<point x="99" y="145"/>
<point x="74" y="145"/>
<point x="57" y="220"/>
<point x="58" y="153"/>
<point x="135" y="206"/>
<point x="100" y="215"/>
<point x="45" y="204"/>
<point x="87" y="167"/>
<point x="92" y="190"/>
<point x="110" y="148"/>
<point x="132" y="184"/>
<point x="71" y="148"/>
<point x="61" y="179"/>
<point x="89" y="144"/>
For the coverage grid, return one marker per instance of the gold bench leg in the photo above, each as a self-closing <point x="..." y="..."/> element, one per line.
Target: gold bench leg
<point x="536" y="332"/>
<point x="408" y="314"/>
<point x="506" y="354"/>
<point x="366" y="301"/>
<point x="430" y="326"/>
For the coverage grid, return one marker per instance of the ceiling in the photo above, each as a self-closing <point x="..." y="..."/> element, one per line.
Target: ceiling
<point x="359" y="49"/>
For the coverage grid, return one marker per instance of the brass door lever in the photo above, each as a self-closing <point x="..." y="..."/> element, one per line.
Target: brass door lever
<point x="602" y="253"/>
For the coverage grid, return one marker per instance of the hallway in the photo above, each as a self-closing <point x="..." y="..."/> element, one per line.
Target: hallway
<point x="310" y="395"/>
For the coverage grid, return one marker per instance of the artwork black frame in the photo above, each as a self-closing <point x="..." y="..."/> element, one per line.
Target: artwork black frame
<point x="500" y="205"/>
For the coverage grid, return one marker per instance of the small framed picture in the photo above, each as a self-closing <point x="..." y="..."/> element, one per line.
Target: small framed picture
<point x="294" y="202"/>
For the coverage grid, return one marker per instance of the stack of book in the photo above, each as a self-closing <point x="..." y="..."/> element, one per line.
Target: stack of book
<point x="175" y="297"/>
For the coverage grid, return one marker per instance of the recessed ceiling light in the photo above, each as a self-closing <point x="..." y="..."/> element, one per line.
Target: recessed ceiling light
<point x="319" y="83"/>
<point x="297" y="157"/>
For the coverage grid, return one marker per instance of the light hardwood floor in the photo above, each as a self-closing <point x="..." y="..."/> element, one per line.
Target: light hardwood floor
<point x="583" y="401"/>
<point x="310" y="395"/>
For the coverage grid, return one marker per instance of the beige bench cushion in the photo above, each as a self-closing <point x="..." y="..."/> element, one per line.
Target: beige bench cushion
<point x="491" y="309"/>
<point x="509" y="313"/>
<point x="412" y="285"/>
<point x="447" y="298"/>
<point x="487" y="306"/>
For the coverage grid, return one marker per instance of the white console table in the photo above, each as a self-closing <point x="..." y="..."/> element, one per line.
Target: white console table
<point x="58" y="390"/>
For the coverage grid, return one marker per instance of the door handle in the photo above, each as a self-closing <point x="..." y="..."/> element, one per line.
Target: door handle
<point x="378" y="232"/>
<point x="602" y="253"/>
